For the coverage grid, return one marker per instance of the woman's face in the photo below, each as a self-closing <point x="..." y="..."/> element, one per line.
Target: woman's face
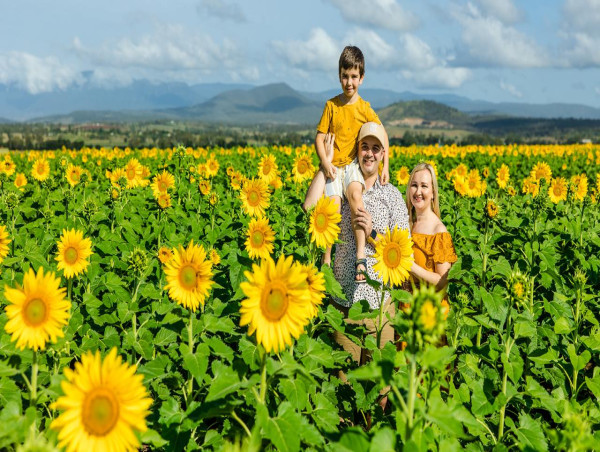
<point x="421" y="190"/>
<point x="370" y="153"/>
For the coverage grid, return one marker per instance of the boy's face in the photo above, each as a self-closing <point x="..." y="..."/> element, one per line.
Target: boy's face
<point x="350" y="80"/>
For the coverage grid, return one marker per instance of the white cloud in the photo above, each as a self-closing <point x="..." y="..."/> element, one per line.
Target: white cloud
<point x="511" y="89"/>
<point x="493" y="43"/>
<point x="36" y="75"/>
<point x="222" y="10"/>
<point x="441" y="77"/>
<point x="378" y="13"/>
<point x="582" y="15"/>
<point x="319" y="53"/>
<point x="581" y="33"/>
<point x="170" y="49"/>
<point x="503" y="10"/>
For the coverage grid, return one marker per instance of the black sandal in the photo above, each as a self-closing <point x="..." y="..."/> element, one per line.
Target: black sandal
<point x="362" y="262"/>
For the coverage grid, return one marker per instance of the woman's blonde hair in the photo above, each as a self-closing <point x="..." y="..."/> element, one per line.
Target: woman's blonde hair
<point x="435" y="202"/>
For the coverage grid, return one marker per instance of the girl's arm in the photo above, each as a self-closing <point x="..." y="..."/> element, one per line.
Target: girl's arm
<point x="439" y="278"/>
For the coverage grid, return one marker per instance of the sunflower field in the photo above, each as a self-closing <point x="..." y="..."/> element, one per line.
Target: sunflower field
<point x="172" y="299"/>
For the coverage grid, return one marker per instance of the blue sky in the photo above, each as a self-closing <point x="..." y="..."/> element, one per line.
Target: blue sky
<point x="535" y="51"/>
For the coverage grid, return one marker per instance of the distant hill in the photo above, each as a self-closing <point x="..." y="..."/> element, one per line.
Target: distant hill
<point x="5" y="121"/>
<point x="20" y="105"/>
<point x="275" y="103"/>
<point x="424" y="109"/>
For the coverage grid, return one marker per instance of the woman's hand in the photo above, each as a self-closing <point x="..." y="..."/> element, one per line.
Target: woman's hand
<point x="362" y="220"/>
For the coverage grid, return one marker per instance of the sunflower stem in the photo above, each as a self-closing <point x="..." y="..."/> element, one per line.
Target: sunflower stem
<point x="242" y="423"/>
<point x="380" y="326"/>
<point x="69" y="288"/>
<point x="412" y="393"/>
<point x="34" y="372"/>
<point x="191" y="346"/>
<point x="263" y="377"/>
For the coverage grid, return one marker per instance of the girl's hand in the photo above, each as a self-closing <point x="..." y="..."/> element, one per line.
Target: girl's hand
<point x="363" y="220"/>
<point x="328" y="141"/>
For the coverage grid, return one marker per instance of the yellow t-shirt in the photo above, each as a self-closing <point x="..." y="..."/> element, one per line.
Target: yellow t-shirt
<point x="345" y="122"/>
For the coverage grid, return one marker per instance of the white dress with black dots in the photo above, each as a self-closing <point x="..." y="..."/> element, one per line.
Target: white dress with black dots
<point x="388" y="209"/>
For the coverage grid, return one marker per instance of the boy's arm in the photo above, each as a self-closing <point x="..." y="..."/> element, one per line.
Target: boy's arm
<point x="322" y="142"/>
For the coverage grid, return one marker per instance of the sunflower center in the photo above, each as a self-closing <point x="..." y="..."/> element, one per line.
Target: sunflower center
<point x="321" y="222"/>
<point x="274" y="301"/>
<point x="35" y="312"/>
<point x="302" y="167"/>
<point x="266" y="168"/>
<point x="131" y="173"/>
<point x="100" y="412"/>
<point x="71" y="255"/>
<point x="162" y="186"/>
<point x="253" y="198"/>
<point x="557" y="191"/>
<point x="187" y="277"/>
<point x="257" y="239"/>
<point x="392" y="255"/>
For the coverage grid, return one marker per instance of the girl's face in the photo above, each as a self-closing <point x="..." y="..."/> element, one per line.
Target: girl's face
<point x="421" y="190"/>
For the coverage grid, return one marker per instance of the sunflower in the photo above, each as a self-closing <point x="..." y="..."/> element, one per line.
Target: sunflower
<point x="118" y="177"/>
<point x="4" y="241"/>
<point x="316" y="286"/>
<point x="491" y="208"/>
<point x="164" y="200"/>
<point x="558" y="190"/>
<point x="531" y="186"/>
<point x="213" y="199"/>
<point x="303" y="168"/>
<point x="580" y="186"/>
<point x="259" y="243"/>
<point x="460" y="185"/>
<point x="164" y="254"/>
<point x="502" y="176"/>
<point x="324" y="221"/>
<point x="162" y="182"/>
<point x="475" y="186"/>
<point x="37" y="311"/>
<point x="402" y="175"/>
<point x="204" y="187"/>
<point x="255" y="197"/>
<point x="104" y="402"/>
<point x="427" y="315"/>
<point x="189" y="276"/>
<point x="212" y="167"/>
<point x="215" y="259"/>
<point x="73" y="252"/>
<point x="541" y="170"/>
<point x="393" y="252"/>
<point x="133" y="173"/>
<point x="41" y="169"/>
<point x="279" y="305"/>
<point x="236" y="180"/>
<point x="267" y="168"/>
<point x="73" y="174"/>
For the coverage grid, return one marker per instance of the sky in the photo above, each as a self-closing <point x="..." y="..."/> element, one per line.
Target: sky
<point x="534" y="51"/>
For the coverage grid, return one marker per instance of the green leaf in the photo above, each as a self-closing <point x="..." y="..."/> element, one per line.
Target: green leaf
<point x="295" y="393"/>
<point x="152" y="437"/>
<point x="530" y="434"/>
<point x="225" y="382"/>
<point x="593" y="385"/>
<point x="6" y="370"/>
<point x="196" y="363"/>
<point x="324" y="413"/>
<point x="563" y="326"/>
<point x="332" y="286"/>
<point x="495" y="306"/>
<point x="282" y="434"/>
<point x="384" y="440"/>
<point x="437" y="358"/>
<point x="578" y="361"/>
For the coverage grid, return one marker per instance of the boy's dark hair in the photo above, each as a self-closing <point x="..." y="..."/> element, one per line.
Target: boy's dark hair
<point x="351" y="58"/>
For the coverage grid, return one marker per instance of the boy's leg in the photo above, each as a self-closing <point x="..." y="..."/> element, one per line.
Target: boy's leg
<point x="327" y="255"/>
<point x="355" y="199"/>
<point x="315" y="190"/>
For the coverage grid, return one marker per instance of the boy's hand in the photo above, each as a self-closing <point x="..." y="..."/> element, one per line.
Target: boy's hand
<point x="363" y="220"/>
<point x="328" y="141"/>
<point x="385" y="174"/>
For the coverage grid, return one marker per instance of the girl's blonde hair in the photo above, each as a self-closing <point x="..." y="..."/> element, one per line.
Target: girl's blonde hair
<point x="435" y="202"/>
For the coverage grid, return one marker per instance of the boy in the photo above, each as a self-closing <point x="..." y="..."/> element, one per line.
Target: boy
<point x="340" y="123"/>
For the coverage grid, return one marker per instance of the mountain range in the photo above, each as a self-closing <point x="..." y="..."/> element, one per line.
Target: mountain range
<point x="235" y="104"/>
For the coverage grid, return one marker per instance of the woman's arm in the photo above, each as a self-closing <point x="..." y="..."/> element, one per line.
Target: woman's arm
<point x="439" y="278"/>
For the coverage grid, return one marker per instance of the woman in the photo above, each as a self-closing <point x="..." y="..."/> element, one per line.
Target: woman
<point x="432" y="244"/>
